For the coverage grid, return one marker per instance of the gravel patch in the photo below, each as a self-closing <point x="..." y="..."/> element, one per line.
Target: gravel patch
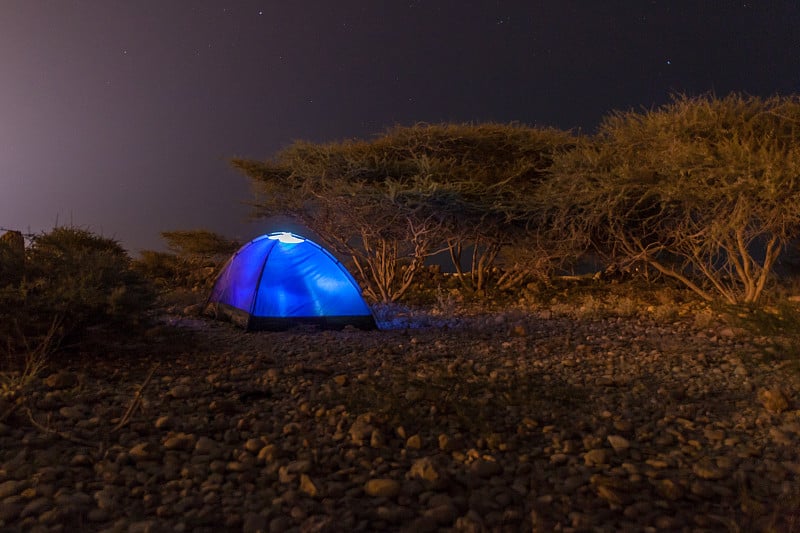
<point x="487" y="423"/>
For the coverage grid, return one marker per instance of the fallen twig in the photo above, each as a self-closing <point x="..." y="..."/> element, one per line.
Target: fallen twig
<point x="137" y="401"/>
<point x="63" y="434"/>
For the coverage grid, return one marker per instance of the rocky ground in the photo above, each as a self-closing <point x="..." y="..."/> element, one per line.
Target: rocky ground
<point x="503" y="422"/>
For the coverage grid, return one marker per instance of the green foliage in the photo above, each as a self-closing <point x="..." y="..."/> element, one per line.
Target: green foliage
<point x="77" y="280"/>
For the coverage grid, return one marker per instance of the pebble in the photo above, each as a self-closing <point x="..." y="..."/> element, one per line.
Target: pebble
<point x="382" y="488"/>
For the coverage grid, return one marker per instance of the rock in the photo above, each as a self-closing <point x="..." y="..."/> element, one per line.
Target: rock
<point x="143" y="451"/>
<point x="308" y="486"/>
<point x="301" y="466"/>
<point x="253" y="445"/>
<point x="614" y="491"/>
<point x="705" y="469"/>
<point x="180" y="392"/>
<point x="269" y="453"/>
<point x="414" y="442"/>
<point x="165" y="422"/>
<point x="376" y="439"/>
<point x="781" y="437"/>
<point x="382" y="488"/>
<point x="597" y="456"/>
<point x="774" y="400"/>
<point x="669" y="489"/>
<point x="207" y="446"/>
<point x="361" y="430"/>
<point x="444" y="514"/>
<point x="618" y="443"/>
<point x="11" y="487"/>
<point x="180" y="441"/>
<point x="425" y="469"/>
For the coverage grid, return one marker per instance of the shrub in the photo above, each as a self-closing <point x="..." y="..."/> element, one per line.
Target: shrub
<point x="77" y="280"/>
<point x="702" y="190"/>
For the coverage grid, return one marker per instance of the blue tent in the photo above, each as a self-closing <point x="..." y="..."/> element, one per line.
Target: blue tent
<point x="280" y="280"/>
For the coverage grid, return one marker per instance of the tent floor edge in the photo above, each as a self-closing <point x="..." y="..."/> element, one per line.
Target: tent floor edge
<point x="362" y="322"/>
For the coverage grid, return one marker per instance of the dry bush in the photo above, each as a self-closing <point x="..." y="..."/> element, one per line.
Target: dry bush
<point x="703" y="190"/>
<point x="195" y="259"/>
<point x="75" y="279"/>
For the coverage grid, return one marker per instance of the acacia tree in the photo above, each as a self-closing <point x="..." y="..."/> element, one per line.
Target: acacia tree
<point x="477" y="179"/>
<point x="391" y="202"/>
<point x="703" y="190"/>
<point x="358" y="199"/>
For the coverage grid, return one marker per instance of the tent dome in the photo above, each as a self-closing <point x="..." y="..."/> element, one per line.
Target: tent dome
<point x="282" y="279"/>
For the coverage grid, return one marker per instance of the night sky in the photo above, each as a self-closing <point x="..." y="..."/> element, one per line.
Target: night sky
<point x="119" y="116"/>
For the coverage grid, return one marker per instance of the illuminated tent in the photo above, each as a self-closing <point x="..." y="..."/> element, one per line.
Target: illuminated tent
<point x="280" y="280"/>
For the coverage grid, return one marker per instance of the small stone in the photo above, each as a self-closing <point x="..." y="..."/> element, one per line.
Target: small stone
<point x="598" y="456"/>
<point x="268" y="453"/>
<point x="442" y="514"/>
<point x="207" y="446"/>
<point x="609" y="494"/>
<point x="143" y="451"/>
<point x="301" y="466"/>
<point x="180" y="392"/>
<point x="361" y="430"/>
<point x="340" y="380"/>
<point x="414" y="442"/>
<point x="253" y="445"/>
<point x="619" y="443"/>
<point x="558" y="458"/>
<point x="308" y="486"/>
<point x="773" y="400"/>
<point x="781" y="438"/>
<point x="72" y="412"/>
<point x="36" y="507"/>
<point x="11" y="487"/>
<point x="705" y="469"/>
<point x="425" y="469"/>
<point x="669" y="489"/>
<point x="382" y="488"/>
<point x="165" y="422"/>
<point x="180" y="441"/>
<point x="714" y="434"/>
<point x="376" y="439"/>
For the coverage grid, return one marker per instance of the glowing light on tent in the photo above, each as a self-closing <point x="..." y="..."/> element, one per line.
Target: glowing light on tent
<point x="286" y="238"/>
